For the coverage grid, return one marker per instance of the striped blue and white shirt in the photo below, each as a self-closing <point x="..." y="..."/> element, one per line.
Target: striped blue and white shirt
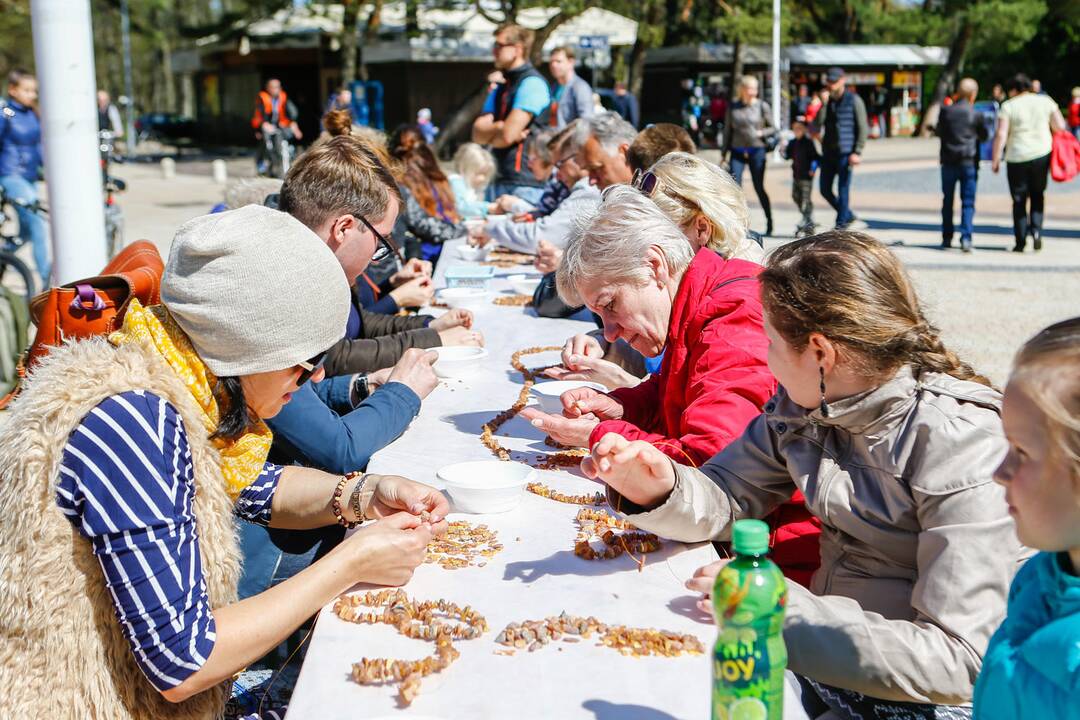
<point x="127" y="483"/>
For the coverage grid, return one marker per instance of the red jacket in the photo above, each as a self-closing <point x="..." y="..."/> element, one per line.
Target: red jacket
<point x="713" y="380"/>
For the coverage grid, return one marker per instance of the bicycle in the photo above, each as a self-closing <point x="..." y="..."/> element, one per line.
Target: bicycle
<point x="10" y="242"/>
<point x="278" y="152"/>
<point x="114" y="215"/>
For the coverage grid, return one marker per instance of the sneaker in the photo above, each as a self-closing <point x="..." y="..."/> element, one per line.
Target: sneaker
<point x="965" y="245"/>
<point x="857" y="224"/>
<point x="1037" y="243"/>
<point x="946" y="243"/>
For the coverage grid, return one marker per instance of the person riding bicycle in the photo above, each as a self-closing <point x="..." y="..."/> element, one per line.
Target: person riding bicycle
<point x="274" y="113"/>
<point x="20" y="161"/>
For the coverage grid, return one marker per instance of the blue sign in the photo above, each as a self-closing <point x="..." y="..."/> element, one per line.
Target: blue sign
<point x="593" y="42"/>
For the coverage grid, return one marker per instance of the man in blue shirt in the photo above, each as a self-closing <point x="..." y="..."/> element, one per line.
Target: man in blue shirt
<point x="572" y="97"/>
<point x="20" y="159"/>
<point x="514" y="107"/>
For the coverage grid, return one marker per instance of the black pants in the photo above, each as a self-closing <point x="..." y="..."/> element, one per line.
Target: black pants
<point x="754" y="158"/>
<point x="1027" y="181"/>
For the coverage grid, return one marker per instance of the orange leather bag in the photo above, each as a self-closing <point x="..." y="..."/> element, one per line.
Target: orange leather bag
<point x="96" y="306"/>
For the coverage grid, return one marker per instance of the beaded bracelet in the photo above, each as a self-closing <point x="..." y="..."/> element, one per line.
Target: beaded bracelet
<point x="354" y="501"/>
<point x="335" y="504"/>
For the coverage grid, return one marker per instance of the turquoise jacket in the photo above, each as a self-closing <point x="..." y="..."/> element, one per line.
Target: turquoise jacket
<point x="1032" y="667"/>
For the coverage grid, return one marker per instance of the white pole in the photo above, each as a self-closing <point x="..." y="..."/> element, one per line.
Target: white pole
<point x="776" y="64"/>
<point x="64" y="57"/>
<point x="129" y="88"/>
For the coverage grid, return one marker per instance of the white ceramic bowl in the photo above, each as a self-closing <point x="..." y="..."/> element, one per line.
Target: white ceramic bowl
<point x="524" y="284"/>
<point x="470" y="252"/>
<point x="549" y="393"/>
<point x="463" y="297"/>
<point x="458" y="360"/>
<point x="486" y="486"/>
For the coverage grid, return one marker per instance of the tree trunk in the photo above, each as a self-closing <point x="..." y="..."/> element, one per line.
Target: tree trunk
<point x="458" y="125"/>
<point x="542" y="34"/>
<point x="736" y="69"/>
<point x="650" y="34"/>
<point x="370" y="26"/>
<point x="168" y="78"/>
<point x="349" y="40"/>
<point x="412" y="20"/>
<point x="957" y="54"/>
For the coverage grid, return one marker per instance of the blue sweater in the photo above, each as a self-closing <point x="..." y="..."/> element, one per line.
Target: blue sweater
<point x="1032" y="667"/>
<point x="20" y="141"/>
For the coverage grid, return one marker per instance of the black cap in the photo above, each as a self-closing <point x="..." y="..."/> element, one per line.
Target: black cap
<point x="834" y="74"/>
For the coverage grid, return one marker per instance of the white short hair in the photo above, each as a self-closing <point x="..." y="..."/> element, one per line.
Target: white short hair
<point x="689" y="185"/>
<point x="609" y="129"/>
<point x="613" y="242"/>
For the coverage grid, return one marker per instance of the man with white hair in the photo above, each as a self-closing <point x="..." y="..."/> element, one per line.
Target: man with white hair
<point x="961" y="129"/>
<point x="604" y="139"/>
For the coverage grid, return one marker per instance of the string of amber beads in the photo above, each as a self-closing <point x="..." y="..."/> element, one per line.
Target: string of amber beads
<point x="532" y="635"/>
<point x="546" y="492"/>
<point x="513" y="300"/>
<point x="438" y="621"/>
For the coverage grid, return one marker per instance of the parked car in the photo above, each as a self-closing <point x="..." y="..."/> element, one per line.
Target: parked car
<point x="164" y="127"/>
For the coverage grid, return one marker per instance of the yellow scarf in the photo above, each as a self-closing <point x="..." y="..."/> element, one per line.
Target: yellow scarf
<point x="242" y="459"/>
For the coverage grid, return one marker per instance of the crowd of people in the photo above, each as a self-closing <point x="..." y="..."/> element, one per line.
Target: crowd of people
<point x="905" y="492"/>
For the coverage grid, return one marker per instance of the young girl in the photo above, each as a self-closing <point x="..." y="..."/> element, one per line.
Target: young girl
<point x="893" y="442"/>
<point x="1032" y="667"/>
<point x="475" y="169"/>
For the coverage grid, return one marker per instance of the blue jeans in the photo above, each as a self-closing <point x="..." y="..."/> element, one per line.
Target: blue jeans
<point x="837" y="167"/>
<point x="31" y="226"/>
<point x="528" y="193"/>
<point x="968" y="177"/>
<point x="272" y="556"/>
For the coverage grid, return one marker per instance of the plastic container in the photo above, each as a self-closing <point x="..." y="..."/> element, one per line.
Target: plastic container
<point x="473" y="253"/>
<point x="486" y="486"/>
<point x="469" y="276"/>
<point x="458" y="360"/>
<point x="550" y="393"/>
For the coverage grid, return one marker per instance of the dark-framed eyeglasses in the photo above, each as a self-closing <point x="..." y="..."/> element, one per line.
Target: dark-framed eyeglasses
<point x="307" y="369"/>
<point x="386" y="245"/>
<point x="645" y="182"/>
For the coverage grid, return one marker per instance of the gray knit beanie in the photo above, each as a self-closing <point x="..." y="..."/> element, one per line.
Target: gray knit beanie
<point x="255" y="290"/>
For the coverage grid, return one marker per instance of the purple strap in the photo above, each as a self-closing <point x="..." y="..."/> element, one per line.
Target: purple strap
<point x="87" y="299"/>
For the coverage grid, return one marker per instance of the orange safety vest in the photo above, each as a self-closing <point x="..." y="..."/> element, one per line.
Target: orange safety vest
<point x="264" y="108"/>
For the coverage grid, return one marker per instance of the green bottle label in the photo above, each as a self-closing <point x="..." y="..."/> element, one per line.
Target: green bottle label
<point x="749" y="657"/>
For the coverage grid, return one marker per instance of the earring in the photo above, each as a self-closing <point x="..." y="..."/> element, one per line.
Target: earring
<point x="824" y="407"/>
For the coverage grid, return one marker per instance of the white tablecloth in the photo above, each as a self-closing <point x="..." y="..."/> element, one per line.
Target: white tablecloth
<point x="535" y="576"/>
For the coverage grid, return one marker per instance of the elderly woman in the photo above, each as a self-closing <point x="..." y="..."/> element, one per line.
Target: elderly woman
<point x="125" y="460"/>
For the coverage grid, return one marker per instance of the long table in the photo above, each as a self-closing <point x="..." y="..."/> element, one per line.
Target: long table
<point x="535" y="576"/>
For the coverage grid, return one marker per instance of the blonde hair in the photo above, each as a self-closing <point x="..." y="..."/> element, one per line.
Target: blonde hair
<point x="746" y="81"/>
<point x="690" y="186"/>
<point x="850" y="288"/>
<point x="471" y="160"/>
<point x="613" y="243"/>
<point x="1047" y="368"/>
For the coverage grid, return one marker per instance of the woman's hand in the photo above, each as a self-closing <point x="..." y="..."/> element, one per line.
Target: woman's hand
<point x="395" y="493"/>
<point x="458" y="317"/>
<point x="548" y="257"/>
<point x="580" y="346"/>
<point x="415" y="293"/>
<point x="584" y="401"/>
<point x="702" y="582"/>
<point x="387" y="552"/>
<point x="414" y="268"/>
<point x="573" y="432"/>
<point x="636" y="470"/>
<point x="461" y="336"/>
<point x="595" y="370"/>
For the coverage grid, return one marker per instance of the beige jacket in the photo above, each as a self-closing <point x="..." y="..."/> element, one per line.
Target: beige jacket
<point x="62" y="651"/>
<point x="917" y="547"/>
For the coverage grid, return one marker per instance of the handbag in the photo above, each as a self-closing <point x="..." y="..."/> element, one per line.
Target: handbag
<point x="1064" y="157"/>
<point x="95" y="306"/>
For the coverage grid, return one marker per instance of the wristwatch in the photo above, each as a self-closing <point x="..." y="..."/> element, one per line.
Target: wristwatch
<point x="359" y="390"/>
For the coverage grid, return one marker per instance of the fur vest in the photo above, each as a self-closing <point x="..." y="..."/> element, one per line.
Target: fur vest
<point x="62" y="652"/>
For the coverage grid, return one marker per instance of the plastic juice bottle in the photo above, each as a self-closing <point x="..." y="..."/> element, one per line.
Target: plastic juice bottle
<point x="749" y="657"/>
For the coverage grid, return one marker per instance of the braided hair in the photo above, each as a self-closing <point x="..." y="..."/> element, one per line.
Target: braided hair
<point x="850" y="288"/>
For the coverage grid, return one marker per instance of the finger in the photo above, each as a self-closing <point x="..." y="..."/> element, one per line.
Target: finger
<point x="402" y="521"/>
<point x="609" y="443"/>
<point x="589" y="468"/>
<point x="706" y="607"/>
<point x="429" y="357"/>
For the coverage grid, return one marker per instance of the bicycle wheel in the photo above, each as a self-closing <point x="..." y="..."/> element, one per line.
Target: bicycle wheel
<point x="25" y="282"/>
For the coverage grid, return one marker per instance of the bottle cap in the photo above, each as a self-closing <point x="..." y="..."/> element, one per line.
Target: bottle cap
<point x="750" y="537"/>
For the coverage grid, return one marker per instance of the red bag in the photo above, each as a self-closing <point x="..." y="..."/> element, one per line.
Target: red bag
<point x="1064" y="157"/>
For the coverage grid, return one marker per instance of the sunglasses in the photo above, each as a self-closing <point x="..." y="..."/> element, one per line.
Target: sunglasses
<point x="645" y="182"/>
<point x="307" y="369"/>
<point x="386" y="245"/>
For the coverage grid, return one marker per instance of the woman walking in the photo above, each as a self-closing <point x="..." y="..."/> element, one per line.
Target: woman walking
<point x="747" y="136"/>
<point x="1024" y="134"/>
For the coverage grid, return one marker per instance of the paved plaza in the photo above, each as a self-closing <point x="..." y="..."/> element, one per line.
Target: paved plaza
<point x="986" y="303"/>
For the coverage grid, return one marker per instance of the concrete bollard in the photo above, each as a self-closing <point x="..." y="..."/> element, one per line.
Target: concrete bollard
<point x="219" y="172"/>
<point x="168" y="168"/>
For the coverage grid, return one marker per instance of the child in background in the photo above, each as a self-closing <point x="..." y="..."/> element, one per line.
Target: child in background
<point x="804" y="157"/>
<point x="423" y="121"/>
<point x="1032" y="666"/>
<point x="474" y="170"/>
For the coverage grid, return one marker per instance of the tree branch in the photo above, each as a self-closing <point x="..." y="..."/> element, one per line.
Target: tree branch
<point x="484" y="14"/>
